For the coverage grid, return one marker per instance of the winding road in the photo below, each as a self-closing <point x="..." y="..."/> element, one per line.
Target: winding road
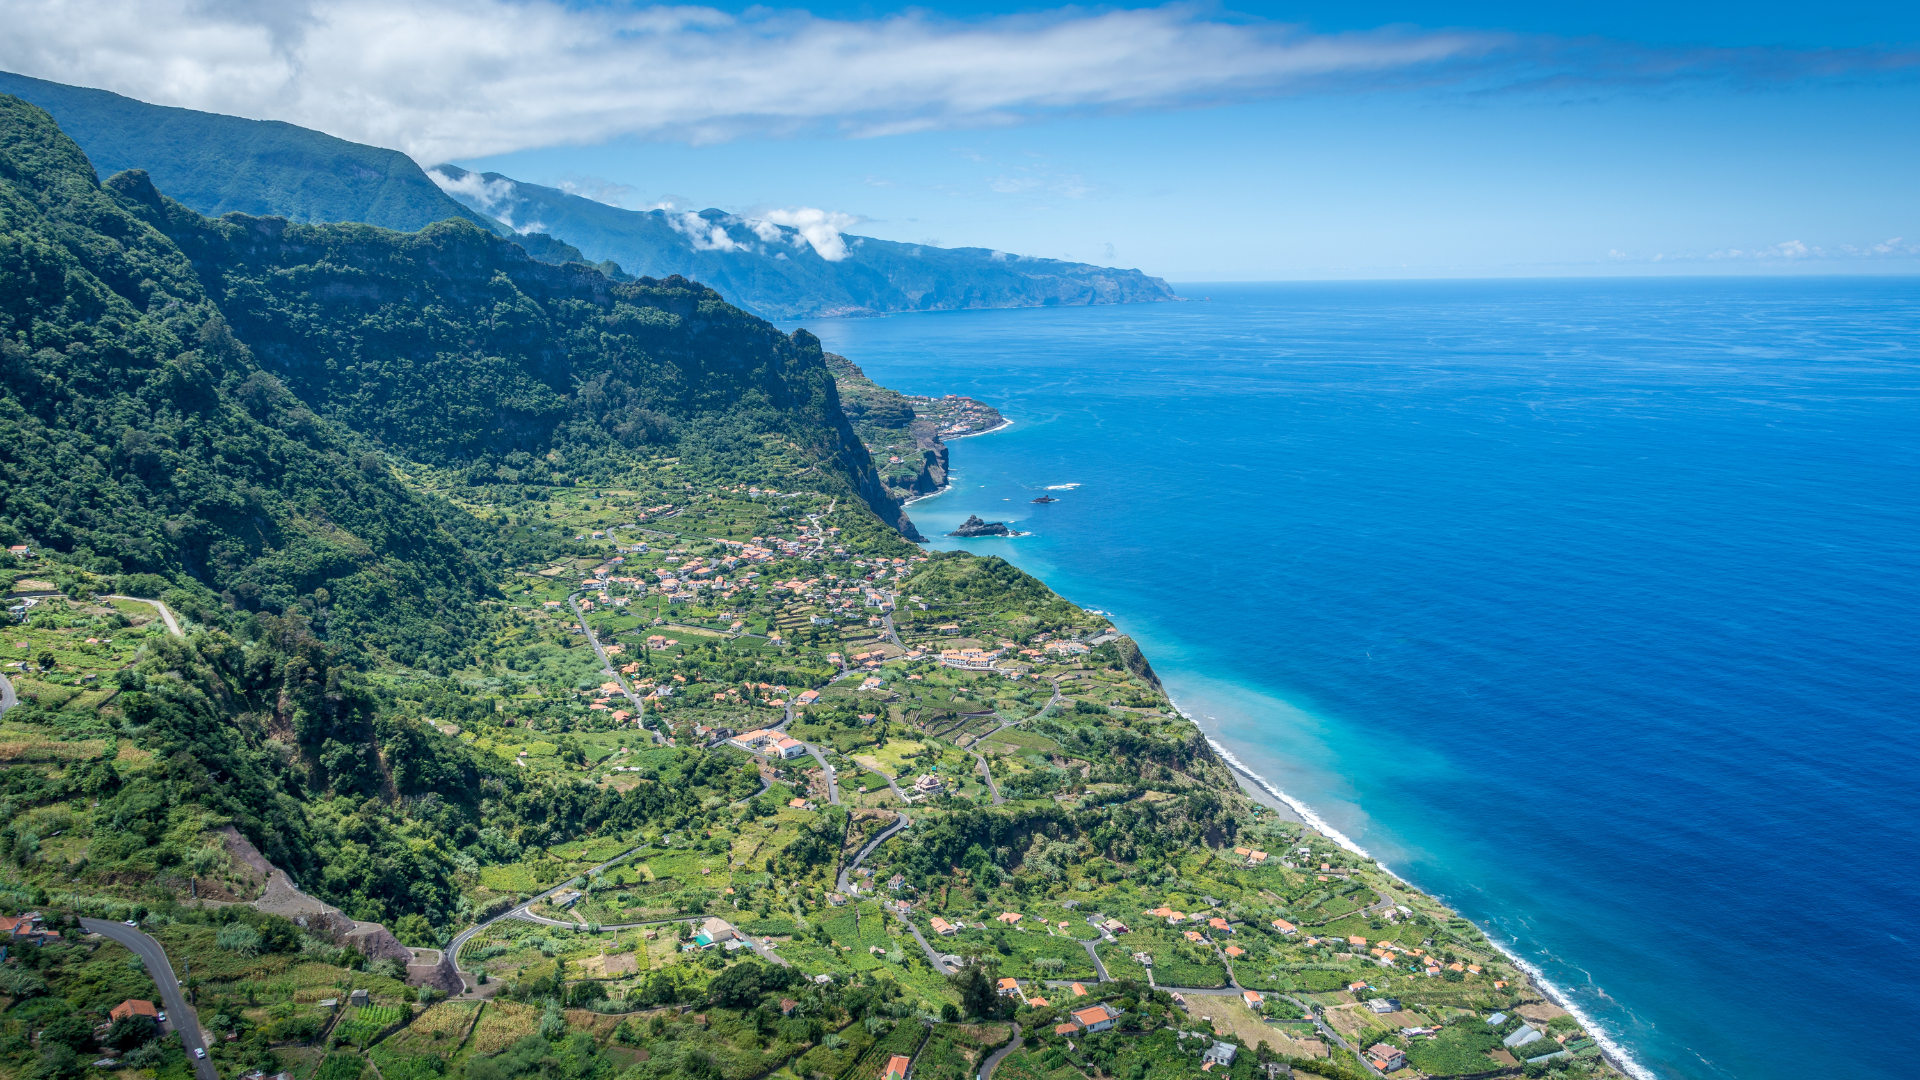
<point x="451" y="957"/>
<point x="607" y="668"/>
<point x="180" y="1015"/>
<point x="8" y="698"/>
<point x="994" y="1059"/>
<point x="166" y="613"/>
<point x="900" y="822"/>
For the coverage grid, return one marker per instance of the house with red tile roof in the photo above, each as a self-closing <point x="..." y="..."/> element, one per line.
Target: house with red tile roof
<point x="134" y="1007"/>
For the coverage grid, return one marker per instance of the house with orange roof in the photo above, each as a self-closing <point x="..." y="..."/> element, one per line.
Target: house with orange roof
<point x="1008" y="987"/>
<point x="1079" y="991"/>
<point x="896" y="1067"/>
<point x="1068" y="1028"/>
<point x="1386" y="1058"/>
<point x="943" y="927"/>
<point x="134" y="1007"/>
<point x="1285" y="927"/>
<point x="1096" y="1017"/>
<point x="1219" y="923"/>
<point x="1194" y="936"/>
<point x="1253" y="999"/>
<point x="1009" y="917"/>
<point x="1234" y="951"/>
<point x="1356" y="940"/>
<point x="1038" y="1002"/>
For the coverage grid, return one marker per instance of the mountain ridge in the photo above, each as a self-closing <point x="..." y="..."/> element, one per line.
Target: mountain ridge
<point x="777" y="271"/>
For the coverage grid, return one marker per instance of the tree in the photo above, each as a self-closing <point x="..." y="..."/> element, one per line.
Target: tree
<point x="70" y="1030"/>
<point x="131" y="1031"/>
<point x="979" y="996"/>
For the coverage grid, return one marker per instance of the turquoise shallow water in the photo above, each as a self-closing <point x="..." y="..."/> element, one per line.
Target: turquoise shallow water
<point x="1589" y="606"/>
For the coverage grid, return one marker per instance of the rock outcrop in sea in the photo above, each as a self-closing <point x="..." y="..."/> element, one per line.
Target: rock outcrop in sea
<point x="973" y="526"/>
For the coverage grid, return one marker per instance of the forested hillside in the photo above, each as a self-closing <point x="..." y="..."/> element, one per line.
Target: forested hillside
<point x="222" y="403"/>
<point x="217" y="164"/>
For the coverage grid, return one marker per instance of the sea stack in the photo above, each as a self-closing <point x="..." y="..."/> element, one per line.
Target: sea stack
<point x="973" y="526"/>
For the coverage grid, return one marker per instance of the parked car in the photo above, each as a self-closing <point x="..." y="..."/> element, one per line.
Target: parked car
<point x="133" y="923"/>
<point x="199" y="1051"/>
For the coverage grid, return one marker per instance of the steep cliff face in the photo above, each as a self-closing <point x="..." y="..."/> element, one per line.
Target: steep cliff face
<point x="453" y="346"/>
<point x="906" y="435"/>
<point x="216" y="401"/>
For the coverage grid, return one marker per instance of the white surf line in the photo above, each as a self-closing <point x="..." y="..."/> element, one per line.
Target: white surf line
<point x="1306" y="812"/>
<point x="1001" y="426"/>
<point x="1611" y="1047"/>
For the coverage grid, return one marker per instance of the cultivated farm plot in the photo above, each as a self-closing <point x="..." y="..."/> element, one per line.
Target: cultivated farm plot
<point x="362" y="1025"/>
<point x="503" y="1023"/>
<point x="955" y="1051"/>
<point x="340" y="1066"/>
<point x="439" y="1029"/>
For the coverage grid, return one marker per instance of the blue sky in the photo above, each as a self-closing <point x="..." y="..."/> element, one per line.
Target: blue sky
<point x="1194" y="141"/>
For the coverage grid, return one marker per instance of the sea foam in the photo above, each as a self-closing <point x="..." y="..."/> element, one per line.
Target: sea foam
<point x="1614" y="1051"/>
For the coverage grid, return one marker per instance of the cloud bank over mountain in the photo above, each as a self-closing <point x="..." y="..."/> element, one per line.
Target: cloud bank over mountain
<point x="444" y="80"/>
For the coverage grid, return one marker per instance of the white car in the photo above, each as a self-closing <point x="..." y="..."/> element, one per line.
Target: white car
<point x="133" y="922"/>
<point x="199" y="1051"/>
<point x="161" y="1017"/>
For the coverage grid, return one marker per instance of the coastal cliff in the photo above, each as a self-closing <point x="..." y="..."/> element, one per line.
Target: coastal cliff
<point x="906" y="435"/>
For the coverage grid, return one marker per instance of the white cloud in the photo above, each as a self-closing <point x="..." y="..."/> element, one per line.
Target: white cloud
<point x="599" y="189"/>
<point x="1785" y="251"/>
<point x="703" y="234"/>
<point x="497" y="197"/>
<point x="820" y="228"/>
<point x="443" y="79"/>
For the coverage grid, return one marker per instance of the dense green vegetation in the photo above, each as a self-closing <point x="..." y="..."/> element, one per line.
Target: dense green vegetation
<point x="219" y="164"/>
<point x="223" y="402"/>
<point x="393" y="482"/>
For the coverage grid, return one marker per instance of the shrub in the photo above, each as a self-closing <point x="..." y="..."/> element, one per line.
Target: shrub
<point x="238" y="938"/>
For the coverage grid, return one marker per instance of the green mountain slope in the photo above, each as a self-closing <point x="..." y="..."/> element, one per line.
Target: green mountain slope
<point x="138" y="432"/>
<point x="217" y="164"/>
<point x="771" y="270"/>
<point x="220" y="402"/>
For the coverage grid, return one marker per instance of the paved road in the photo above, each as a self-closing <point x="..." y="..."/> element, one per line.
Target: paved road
<point x="180" y="1015"/>
<point x="761" y="948"/>
<point x="166" y="614"/>
<point x="994" y="1059"/>
<point x="833" y="780"/>
<point x="987" y="771"/>
<point x="607" y="668"/>
<point x="900" y="822"/>
<point x="452" y="956"/>
<point x="1094" y="954"/>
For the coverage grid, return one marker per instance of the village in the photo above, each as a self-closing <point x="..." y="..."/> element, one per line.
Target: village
<point x="958" y="808"/>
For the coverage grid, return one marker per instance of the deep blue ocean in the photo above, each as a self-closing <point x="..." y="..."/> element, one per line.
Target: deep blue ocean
<point x="1591" y="606"/>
